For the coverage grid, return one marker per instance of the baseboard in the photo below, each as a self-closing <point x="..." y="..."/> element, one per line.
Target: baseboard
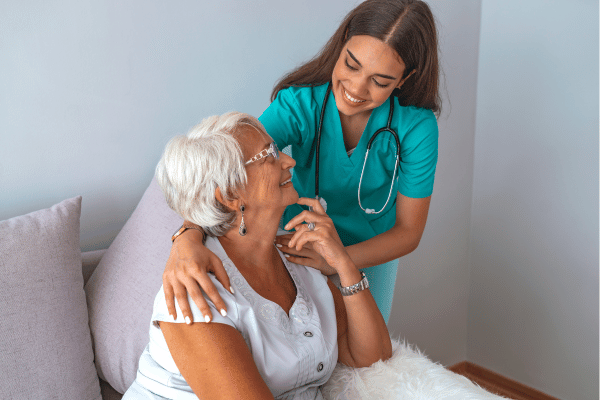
<point x="497" y="383"/>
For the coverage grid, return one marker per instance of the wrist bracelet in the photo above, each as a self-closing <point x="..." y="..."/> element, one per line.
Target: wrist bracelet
<point x="357" y="287"/>
<point x="187" y="225"/>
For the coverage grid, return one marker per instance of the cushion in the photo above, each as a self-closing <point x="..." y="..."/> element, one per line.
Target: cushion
<point x="45" y="343"/>
<point x="122" y="288"/>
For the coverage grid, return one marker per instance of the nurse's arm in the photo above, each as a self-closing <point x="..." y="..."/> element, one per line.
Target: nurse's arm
<point x="187" y="271"/>
<point x="215" y="361"/>
<point x="401" y="239"/>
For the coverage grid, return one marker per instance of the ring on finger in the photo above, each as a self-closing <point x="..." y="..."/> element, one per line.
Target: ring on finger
<point x="311" y="226"/>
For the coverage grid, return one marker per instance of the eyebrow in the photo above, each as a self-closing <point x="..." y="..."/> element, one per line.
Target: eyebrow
<point x="358" y="62"/>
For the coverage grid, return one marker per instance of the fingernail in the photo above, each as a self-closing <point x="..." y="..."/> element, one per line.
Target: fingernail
<point x="231" y="289"/>
<point x="223" y="312"/>
<point x="287" y="227"/>
<point x="206" y="318"/>
<point x="278" y="245"/>
<point x="188" y="320"/>
<point x="286" y="255"/>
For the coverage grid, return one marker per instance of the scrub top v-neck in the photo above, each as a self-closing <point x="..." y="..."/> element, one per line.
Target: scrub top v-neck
<point x="292" y="118"/>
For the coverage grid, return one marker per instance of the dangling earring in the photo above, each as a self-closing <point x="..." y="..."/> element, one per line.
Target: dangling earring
<point x="242" y="229"/>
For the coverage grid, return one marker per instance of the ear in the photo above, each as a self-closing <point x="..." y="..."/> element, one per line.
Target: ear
<point x="230" y="204"/>
<point x="405" y="78"/>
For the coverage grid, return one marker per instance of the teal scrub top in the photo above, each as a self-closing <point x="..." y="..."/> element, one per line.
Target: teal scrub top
<point x="292" y="119"/>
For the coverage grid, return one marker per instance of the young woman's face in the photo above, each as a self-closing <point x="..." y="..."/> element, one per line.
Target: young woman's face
<point x="365" y="75"/>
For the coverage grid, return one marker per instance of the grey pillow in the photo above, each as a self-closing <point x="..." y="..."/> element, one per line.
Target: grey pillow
<point x="45" y="344"/>
<point x="122" y="288"/>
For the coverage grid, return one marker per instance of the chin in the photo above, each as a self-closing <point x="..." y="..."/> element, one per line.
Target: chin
<point x="294" y="197"/>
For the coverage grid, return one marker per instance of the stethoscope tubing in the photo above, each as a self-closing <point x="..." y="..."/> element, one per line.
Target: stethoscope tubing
<point x="387" y="128"/>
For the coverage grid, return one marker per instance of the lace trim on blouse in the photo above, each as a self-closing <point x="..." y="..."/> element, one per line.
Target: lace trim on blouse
<point x="300" y="312"/>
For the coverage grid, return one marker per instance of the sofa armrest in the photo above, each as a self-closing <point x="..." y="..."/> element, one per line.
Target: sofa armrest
<point x="108" y="393"/>
<point x="89" y="261"/>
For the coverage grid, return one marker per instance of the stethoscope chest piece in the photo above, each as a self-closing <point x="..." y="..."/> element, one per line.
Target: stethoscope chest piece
<point x="323" y="203"/>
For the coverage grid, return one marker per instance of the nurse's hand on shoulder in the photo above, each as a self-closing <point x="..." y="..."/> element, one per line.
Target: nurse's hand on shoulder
<point x="187" y="271"/>
<point x="323" y="240"/>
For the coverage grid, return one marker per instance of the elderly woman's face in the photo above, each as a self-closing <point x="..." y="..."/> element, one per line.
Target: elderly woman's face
<point x="269" y="180"/>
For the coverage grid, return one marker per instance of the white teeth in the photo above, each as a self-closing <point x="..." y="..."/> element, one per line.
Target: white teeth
<point x="352" y="99"/>
<point x="288" y="181"/>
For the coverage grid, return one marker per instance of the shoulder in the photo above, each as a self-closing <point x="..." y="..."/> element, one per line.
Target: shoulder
<point x="303" y="93"/>
<point x="291" y="117"/>
<point x="411" y="117"/>
<point x="160" y="311"/>
<point x="308" y="98"/>
<point x="415" y="125"/>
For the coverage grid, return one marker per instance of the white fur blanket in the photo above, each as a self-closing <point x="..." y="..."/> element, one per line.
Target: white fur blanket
<point x="408" y="374"/>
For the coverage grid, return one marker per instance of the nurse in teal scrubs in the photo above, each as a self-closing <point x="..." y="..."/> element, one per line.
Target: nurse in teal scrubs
<point x="383" y="52"/>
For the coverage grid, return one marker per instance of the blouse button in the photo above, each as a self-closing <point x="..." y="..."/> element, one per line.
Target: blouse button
<point x="308" y="334"/>
<point x="320" y="367"/>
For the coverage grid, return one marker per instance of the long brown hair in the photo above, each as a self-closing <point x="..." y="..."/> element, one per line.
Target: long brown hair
<point x="407" y="26"/>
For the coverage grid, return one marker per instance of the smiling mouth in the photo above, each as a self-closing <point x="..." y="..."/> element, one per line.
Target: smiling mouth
<point x="352" y="99"/>
<point x="285" y="182"/>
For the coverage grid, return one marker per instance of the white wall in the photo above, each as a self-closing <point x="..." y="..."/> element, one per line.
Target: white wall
<point x="90" y="92"/>
<point x="533" y="310"/>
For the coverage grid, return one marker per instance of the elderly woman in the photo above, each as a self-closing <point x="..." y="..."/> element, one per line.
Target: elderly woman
<point x="287" y="325"/>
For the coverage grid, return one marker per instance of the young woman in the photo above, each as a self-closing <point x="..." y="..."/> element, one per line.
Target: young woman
<point x="379" y="70"/>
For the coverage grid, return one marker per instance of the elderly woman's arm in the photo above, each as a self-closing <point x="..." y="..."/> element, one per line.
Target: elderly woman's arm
<point x="363" y="337"/>
<point x="215" y="361"/>
<point x="186" y="271"/>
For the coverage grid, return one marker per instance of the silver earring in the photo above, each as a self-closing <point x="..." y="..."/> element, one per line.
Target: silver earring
<point x="242" y="229"/>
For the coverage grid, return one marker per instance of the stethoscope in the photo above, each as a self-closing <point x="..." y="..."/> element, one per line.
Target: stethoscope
<point x="387" y="128"/>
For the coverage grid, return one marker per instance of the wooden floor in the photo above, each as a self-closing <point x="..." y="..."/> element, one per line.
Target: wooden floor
<point x="497" y="383"/>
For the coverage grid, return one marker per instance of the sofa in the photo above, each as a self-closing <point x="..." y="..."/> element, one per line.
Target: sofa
<point x="73" y="324"/>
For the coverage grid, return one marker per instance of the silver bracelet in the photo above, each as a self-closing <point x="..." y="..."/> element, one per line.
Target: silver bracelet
<point x="357" y="287"/>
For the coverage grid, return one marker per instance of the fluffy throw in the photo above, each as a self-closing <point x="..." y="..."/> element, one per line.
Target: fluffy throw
<point x="408" y="374"/>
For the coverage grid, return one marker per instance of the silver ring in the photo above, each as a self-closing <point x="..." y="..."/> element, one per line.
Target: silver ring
<point x="311" y="226"/>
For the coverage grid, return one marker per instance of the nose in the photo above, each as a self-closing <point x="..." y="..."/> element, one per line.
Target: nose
<point x="287" y="162"/>
<point x="359" y="85"/>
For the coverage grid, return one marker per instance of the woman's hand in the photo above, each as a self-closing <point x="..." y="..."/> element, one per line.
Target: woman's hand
<point x="187" y="271"/>
<point x="323" y="240"/>
<point x="307" y="256"/>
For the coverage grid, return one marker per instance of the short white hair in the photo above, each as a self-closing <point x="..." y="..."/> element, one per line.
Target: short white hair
<point x="192" y="167"/>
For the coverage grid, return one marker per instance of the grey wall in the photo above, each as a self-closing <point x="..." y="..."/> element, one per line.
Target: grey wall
<point x="430" y="301"/>
<point x="533" y="310"/>
<point x="91" y="91"/>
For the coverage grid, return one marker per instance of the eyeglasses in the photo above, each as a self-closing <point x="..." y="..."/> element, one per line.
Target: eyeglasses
<point x="273" y="150"/>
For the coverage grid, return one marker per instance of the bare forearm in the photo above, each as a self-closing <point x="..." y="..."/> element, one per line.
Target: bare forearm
<point x="367" y="335"/>
<point x="384" y="247"/>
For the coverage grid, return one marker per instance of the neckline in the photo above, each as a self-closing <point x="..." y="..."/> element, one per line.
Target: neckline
<point x="268" y="310"/>
<point x="353" y="160"/>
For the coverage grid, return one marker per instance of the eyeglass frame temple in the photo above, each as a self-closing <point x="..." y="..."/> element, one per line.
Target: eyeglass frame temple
<point x="258" y="156"/>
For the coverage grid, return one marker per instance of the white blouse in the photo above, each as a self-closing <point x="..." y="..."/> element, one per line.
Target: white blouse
<point x="295" y="354"/>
